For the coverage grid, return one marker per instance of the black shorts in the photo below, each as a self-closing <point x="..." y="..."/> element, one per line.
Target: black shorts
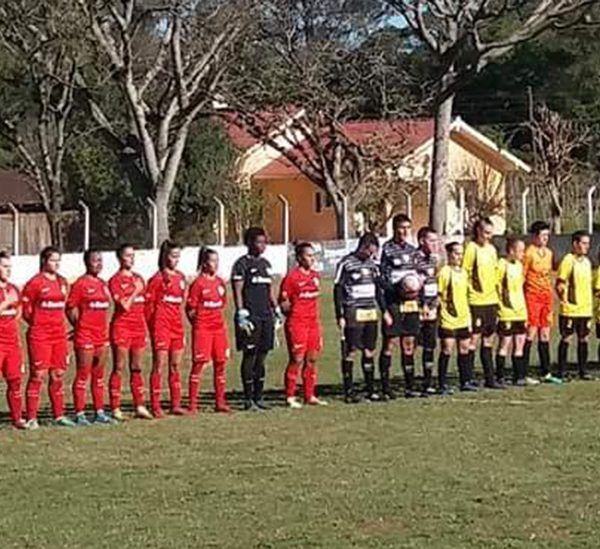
<point x="569" y="325"/>
<point x="261" y="339"/>
<point x="458" y="334"/>
<point x="511" y="328"/>
<point x="403" y="325"/>
<point x="484" y="319"/>
<point x="428" y="334"/>
<point x="360" y="335"/>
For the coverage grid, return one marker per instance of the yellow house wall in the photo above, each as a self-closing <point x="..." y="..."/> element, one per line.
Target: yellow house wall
<point x="305" y="222"/>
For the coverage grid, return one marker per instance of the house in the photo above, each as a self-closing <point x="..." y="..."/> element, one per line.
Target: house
<point x="478" y="170"/>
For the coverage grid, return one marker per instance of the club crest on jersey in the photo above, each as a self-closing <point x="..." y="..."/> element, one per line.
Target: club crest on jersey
<point x="182" y="284"/>
<point x="316" y="282"/>
<point x="356" y="276"/>
<point x="397" y="261"/>
<point x="45" y="290"/>
<point x="365" y="271"/>
<point x="221" y="290"/>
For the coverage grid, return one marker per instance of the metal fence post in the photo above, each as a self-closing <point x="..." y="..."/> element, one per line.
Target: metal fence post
<point x="345" y="228"/>
<point x="590" y="205"/>
<point x="154" y="220"/>
<point x="86" y="225"/>
<point x="408" y="203"/>
<point x="286" y="218"/>
<point x="461" y="211"/>
<point x="16" y="231"/>
<point x="524" y="196"/>
<point x="220" y="222"/>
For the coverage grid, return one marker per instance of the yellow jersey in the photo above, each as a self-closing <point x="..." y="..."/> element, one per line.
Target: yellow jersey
<point x="480" y="263"/>
<point x="453" y="288"/>
<point x="511" y="297"/>
<point x="597" y="291"/>
<point x="576" y="273"/>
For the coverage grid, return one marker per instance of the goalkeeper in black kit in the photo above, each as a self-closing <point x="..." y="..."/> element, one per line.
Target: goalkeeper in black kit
<point x="358" y="296"/>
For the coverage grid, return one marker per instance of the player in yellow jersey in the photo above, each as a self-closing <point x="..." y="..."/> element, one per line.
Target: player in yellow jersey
<point x="512" y="313"/>
<point x="597" y="307"/>
<point x="539" y="296"/>
<point x="480" y="261"/>
<point x="454" y="318"/>
<point x="574" y="289"/>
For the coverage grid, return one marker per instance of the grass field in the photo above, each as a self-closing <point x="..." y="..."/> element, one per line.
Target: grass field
<point x="512" y="469"/>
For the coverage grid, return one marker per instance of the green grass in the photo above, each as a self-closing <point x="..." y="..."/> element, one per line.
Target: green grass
<point x="516" y="469"/>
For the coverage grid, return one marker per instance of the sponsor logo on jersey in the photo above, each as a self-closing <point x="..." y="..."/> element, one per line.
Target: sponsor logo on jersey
<point x="52" y="304"/>
<point x="212" y="304"/>
<point x="176" y="299"/>
<point x="99" y="304"/>
<point x="260" y="280"/>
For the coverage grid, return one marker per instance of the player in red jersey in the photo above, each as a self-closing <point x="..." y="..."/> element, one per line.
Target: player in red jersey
<point x="87" y="311"/>
<point x="44" y="310"/>
<point x="127" y="333"/>
<point x="11" y="357"/>
<point x="165" y="297"/>
<point x="299" y="300"/>
<point x="204" y="307"/>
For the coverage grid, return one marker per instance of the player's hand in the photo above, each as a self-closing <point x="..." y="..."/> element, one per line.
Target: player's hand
<point x="341" y="324"/>
<point x="139" y="286"/>
<point x="278" y="317"/>
<point x="242" y="319"/>
<point x="388" y="319"/>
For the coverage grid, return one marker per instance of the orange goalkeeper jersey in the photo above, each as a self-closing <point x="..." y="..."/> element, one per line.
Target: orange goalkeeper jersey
<point x="537" y="269"/>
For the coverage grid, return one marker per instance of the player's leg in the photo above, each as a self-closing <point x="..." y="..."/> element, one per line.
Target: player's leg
<point x="504" y="345"/>
<point x="583" y="335"/>
<point x="115" y="381"/>
<point x="489" y="326"/>
<point x="385" y="363"/>
<point x="566" y="327"/>
<point x="201" y="346"/>
<point x="266" y="341"/>
<point x="519" y="365"/>
<point x="447" y="348"/>
<point x="11" y="362"/>
<point x="464" y="361"/>
<point x="56" y="382"/>
<point x="98" y="372"/>
<point x="220" y="356"/>
<point x="367" y="342"/>
<point x="160" y="362"/>
<point x="429" y="343"/>
<point x="408" y="345"/>
<point x="175" y="362"/>
<point x="136" y="379"/>
<point x="475" y="342"/>
<point x="296" y="338"/>
<point x="83" y="363"/>
<point x="314" y="344"/>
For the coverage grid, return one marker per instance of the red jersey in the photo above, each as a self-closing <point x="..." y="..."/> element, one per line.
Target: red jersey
<point x="208" y="297"/>
<point x="301" y="289"/>
<point x="91" y="297"/>
<point x="122" y="286"/>
<point x="164" y="300"/>
<point x="44" y="302"/>
<point x="9" y="326"/>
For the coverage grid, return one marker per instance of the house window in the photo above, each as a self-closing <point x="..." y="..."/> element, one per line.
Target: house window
<point x="328" y="201"/>
<point x="318" y="202"/>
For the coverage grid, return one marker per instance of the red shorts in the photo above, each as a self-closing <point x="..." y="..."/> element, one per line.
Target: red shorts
<point x="48" y="355"/>
<point x="89" y="344"/>
<point x="539" y="309"/>
<point x="210" y="345"/>
<point x="127" y="340"/>
<point x="168" y="341"/>
<point x="11" y="362"/>
<point x="303" y="338"/>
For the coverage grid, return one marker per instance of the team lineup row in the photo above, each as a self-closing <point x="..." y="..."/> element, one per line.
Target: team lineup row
<point x="415" y="299"/>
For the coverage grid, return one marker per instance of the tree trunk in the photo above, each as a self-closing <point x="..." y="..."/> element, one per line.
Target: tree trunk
<point x="56" y="229"/>
<point x="438" y="199"/>
<point x="162" y="215"/>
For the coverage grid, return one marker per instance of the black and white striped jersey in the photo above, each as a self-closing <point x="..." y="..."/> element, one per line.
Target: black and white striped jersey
<point x="427" y="265"/>
<point x="397" y="261"/>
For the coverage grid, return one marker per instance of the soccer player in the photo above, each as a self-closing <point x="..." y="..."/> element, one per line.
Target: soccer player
<point x="398" y="267"/>
<point x="11" y="356"/>
<point x="204" y="307"/>
<point x="427" y="266"/>
<point x="43" y="300"/>
<point x="574" y="290"/>
<point x="357" y="296"/>
<point x="299" y="300"/>
<point x="165" y="298"/>
<point x="256" y="316"/>
<point x="455" y="319"/>
<point x="512" y="313"/>
<point x="127" y="333"/>
<point x="480" y="260"/>
<point x="539" y="296"/>
<point x="87" y="311"/>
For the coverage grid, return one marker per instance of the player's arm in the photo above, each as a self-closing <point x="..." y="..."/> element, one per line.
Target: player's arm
<point x="9" y="301"/>
<point x="151" y="298"/>
<point x="469" y="259"/>
<point x="191" y="303"/>
<point x="597" y="283"/>
<point x="338" y="291"/>
<point x="385" y="272"/>
<point x="238" y="275"/>
<point x="564" y="271"/>
<point x="73" y="303"/>
<point x="29" y="298"/>
<point x="284" y="295"/>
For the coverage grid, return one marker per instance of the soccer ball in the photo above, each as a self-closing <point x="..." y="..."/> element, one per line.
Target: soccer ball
<point x="410" y="286"/>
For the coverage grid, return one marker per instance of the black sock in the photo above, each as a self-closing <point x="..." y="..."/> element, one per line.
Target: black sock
<point x="385" y="363"/>
<point x="368" y="367"/>
<point x="428" y="361"/>
<point x="347" y="377"/>
<point x="463" y="368"/>
<point x="563" y="348"/>
<point x="485" y="354"/>
<point x="582" y="357"/>
<point x="470" y="365"/>
<point x="247" y="373"/>
<point x="500" y="367"/>
<point x="527" y="351"/>
<point x="408" y="366"/>
<point x="517" y="366"/>
<point x="443" y="362"/>
<point x="544" y="354"/>
<point x="259" y="376"/>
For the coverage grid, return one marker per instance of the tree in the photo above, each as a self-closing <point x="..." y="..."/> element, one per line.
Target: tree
<point x="313" y="67"/>
<point x="168" y="60"/>
<point x="464" y="37"/>
<point x="41" y="52"/>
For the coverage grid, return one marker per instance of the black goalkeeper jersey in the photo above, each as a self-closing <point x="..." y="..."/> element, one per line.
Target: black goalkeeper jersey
<point x="257" y="275"/>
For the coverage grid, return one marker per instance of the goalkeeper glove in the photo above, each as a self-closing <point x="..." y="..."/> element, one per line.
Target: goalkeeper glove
<point x="242" y="319"/>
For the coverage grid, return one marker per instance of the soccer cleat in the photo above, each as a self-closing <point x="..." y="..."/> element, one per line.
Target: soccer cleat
<point x="103" y="418"/>
<point x="388" y="395"/>
<point x="521" y="383"/>
<point x="352" y="398"/>
<point x="293" y="403"/>
<point x="64" y="421"/>
<point x="496" y="385"/>
<point x="411" y="394"/>
<point x="261" y="404"/>
<point x="549" y="378"/>
<point x="316" y="401"/>
<point x="32" y="424"/>
<point x="531" y="381"/>
<point x="250" y="406"/>
<point x="585" y="377"/>
<point x="193" y="410"/>
<point x="373" y="397"/>
<point x="430" y="391"/>
<point x="81" y="420"/>
<point x="118" y="415"/>
<point x="20" y="424"/>
<point x="469" y="387"/>
<point x="158" y="413"/>
<point x="141" y="412"/>
<point x="178" y="411"/>
<point x="223" y="408"/>
<point x="445" y="391"/>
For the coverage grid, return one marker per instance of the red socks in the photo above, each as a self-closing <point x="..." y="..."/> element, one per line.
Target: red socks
<point x="34" y="387"/>
<point x="291" y="377"/>
<point x="136" y="383"/>
<point x="220" y="380"/>
<point x="155" y="390"/>
<point x="194" y="385"/>
<point x="175" y="389"/>
<point x="98" y="387"/>
<point x="79" y="387"/>
<point x="57" y="395"/>
<point x="13" y="396"/>
<point x="309" y="378"/>
<point x="114" y="389"/>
